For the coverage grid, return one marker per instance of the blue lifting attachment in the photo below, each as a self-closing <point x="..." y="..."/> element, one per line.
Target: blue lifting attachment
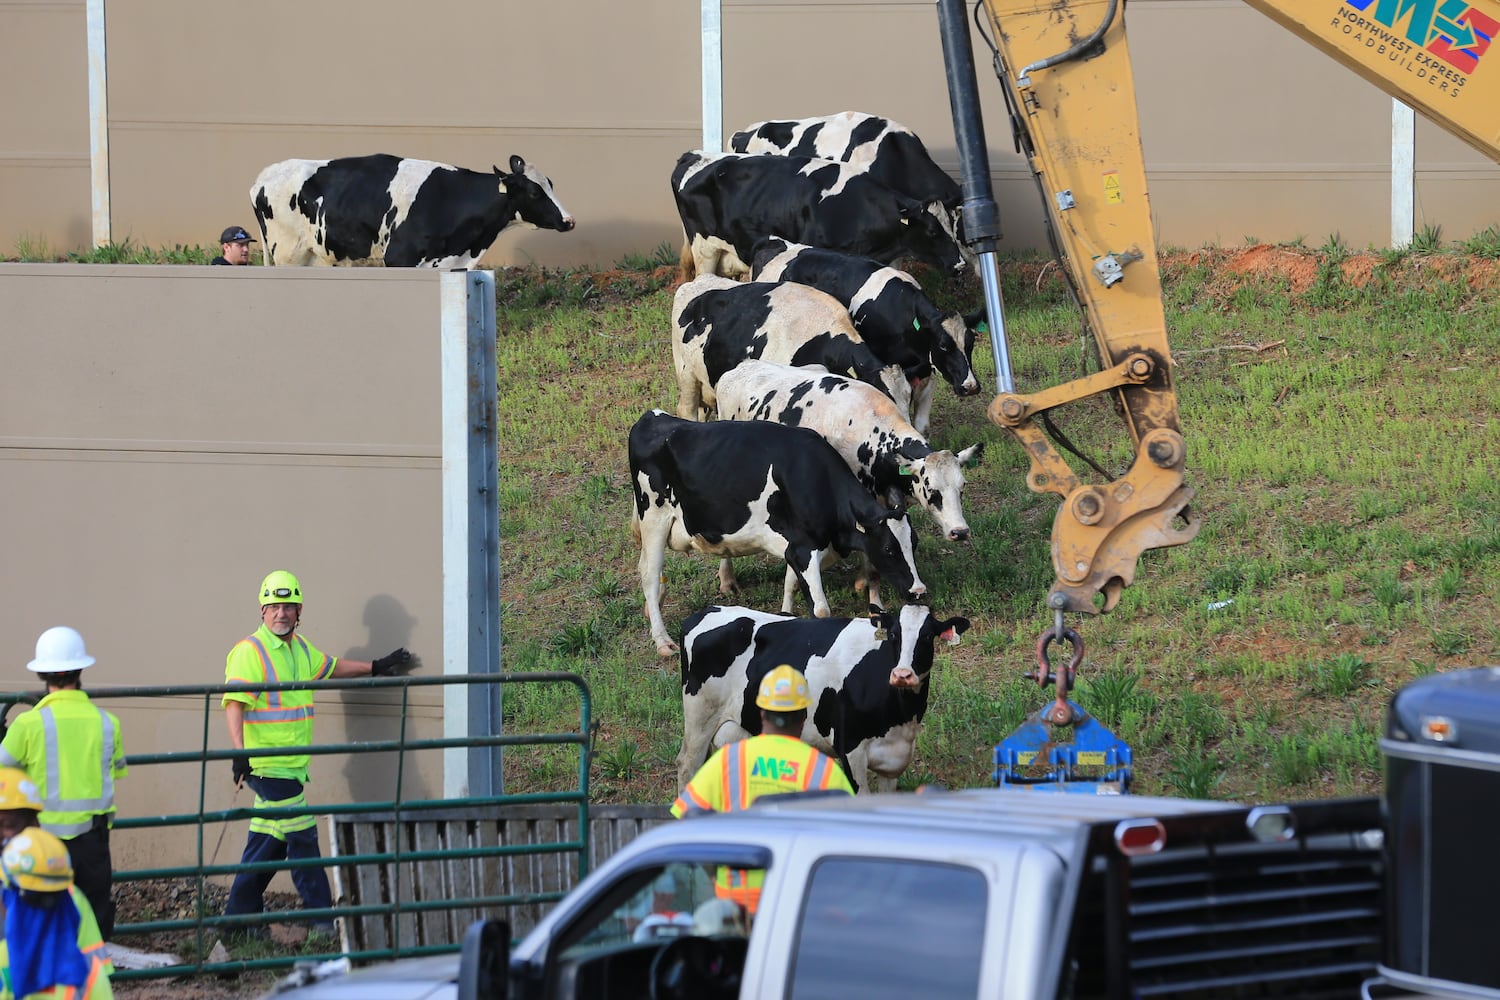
<point x="1094" y="762"/>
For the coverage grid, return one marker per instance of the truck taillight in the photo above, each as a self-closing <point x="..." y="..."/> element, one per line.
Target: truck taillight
<point x="1134" y="837"/>
<point x="1439" y="729"/>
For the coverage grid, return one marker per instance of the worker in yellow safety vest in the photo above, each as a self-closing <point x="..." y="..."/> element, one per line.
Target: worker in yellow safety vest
<point x="773" y="763"/>
<point x="55" y="941"/>
<point x="73" y="750"/>
<point x="279" y="720"/>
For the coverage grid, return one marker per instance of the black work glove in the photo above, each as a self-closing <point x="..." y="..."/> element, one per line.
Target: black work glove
<point x="391" y="663"/>
<point x="241" y="770"/>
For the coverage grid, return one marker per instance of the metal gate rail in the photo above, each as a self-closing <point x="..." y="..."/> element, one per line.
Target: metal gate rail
<point x="210" y="927"/>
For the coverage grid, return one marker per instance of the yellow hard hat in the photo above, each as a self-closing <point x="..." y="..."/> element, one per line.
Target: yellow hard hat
<point x="35" y="859"/>
<point x="280" y="587"/>
<point x="18" y="791"/>
<point x="783" y="690"/>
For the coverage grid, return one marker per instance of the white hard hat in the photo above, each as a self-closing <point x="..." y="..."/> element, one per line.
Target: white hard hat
<point x="57" y="649"/>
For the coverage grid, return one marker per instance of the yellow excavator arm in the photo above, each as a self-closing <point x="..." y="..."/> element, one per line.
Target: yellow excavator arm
<point x="1065" y="72"/>
<point x="1432" y="55"/>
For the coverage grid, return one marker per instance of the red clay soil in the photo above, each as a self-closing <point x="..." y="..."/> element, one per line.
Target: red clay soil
<point x="1299" y="267"/>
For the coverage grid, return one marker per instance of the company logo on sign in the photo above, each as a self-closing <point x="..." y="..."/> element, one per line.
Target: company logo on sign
<point x="1451" y="30"/>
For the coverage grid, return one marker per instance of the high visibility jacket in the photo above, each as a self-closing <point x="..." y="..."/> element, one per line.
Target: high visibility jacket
<point x="73" y="751"/>
<point x="276" y="718"/>
<point x="90" y="943"/>
<point x="740" y="773"/>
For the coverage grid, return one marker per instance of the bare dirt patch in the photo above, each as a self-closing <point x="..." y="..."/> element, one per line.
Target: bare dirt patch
<point x="1299" y="269"/>
<point x="177" y="899"/>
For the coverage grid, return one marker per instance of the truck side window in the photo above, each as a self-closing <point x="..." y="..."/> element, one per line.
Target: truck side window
<point x="872" y="927"/>
<point x="658" y="910"/>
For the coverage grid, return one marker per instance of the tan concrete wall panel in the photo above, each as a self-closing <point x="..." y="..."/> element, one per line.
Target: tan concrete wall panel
<point x="174" y="433"/>
<point x="44" y="124"/>
<point x="1239" y="119"/>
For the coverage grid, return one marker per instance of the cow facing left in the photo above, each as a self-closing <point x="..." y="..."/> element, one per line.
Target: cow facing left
<point x="396" y="211"/>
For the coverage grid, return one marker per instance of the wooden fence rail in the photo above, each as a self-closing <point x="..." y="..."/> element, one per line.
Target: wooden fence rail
<point x="467" y="878"/>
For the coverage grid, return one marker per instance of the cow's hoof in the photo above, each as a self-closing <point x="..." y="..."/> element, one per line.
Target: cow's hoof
<point x="666" y="649"/>
<point x="821" y="612"/>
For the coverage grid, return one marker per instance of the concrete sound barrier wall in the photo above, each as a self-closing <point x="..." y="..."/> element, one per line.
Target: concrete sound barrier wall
<point x="168" y="435"/>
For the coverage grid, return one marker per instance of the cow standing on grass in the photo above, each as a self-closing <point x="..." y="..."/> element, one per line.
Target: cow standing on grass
<point x="718" y="323"/>
<point x="876" y="441"/>
<point x="888" y="151"/>
<point x="730" y="489"/>
<point x="890" y="310"/>
<point x="728" y="202"/>
<point x="397" y="211"/>
<point x="868" y="678"/>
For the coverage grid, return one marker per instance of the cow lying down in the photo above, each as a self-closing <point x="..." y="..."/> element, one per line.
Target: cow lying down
<point x="395" y="210"/>
<point x="737" y="488"/>
<point x="869" y="691"/>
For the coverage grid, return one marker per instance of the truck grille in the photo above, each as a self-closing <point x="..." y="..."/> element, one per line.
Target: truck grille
<point x="1236" y="920"/>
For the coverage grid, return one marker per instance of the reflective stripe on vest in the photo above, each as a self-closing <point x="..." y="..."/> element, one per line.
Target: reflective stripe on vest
<point x="54" y="801"/>
<point x="817" y="775"/>
<point x="735" y="786"/>
<point x="274" y="711"/>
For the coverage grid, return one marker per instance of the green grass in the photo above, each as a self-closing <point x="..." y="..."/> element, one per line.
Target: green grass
<point x="32" y="250"/>
<point x="1347" y="478"/>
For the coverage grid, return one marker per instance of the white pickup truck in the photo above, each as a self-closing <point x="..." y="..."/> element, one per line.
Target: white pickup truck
<point x="1031" y="895"/>
<point x="975" y="893"/>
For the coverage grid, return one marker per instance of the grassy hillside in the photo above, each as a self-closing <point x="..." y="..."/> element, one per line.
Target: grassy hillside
<point x="1341" y="420"/>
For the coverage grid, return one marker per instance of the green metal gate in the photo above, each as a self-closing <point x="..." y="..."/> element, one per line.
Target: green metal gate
<point x="393" y="845"/>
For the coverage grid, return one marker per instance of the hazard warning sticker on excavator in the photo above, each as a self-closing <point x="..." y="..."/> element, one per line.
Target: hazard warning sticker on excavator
<point x="1112" y="195"/>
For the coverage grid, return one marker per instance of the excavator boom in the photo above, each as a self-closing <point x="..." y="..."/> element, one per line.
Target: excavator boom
<point x="1433" y="55"/>
<point x="1065" y="72"/>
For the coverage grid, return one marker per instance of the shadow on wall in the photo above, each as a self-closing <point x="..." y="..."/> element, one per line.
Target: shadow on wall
<point x="375" y="715"/>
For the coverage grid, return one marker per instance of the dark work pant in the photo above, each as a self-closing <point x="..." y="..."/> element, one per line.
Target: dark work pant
<point x="94" y="873"/>
<point x="247" y="894"/>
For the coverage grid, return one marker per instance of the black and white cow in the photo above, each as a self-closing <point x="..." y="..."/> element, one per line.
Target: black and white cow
<point x="403" y="212"/>
<point x="869" y="691"/>
<point x="891" y="311"/>
<point x="887" y="150"/>
<point x="717" y="323"/>
<point x="730" y="489"/>
<point x="728" y="202"/>
<point x="882" y="448"/>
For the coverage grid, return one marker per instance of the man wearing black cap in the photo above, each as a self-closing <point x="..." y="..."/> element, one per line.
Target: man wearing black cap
<point x="236" y="243"/>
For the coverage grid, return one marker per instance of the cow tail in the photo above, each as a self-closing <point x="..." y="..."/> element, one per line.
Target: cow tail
<point x="686" y="269"/>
